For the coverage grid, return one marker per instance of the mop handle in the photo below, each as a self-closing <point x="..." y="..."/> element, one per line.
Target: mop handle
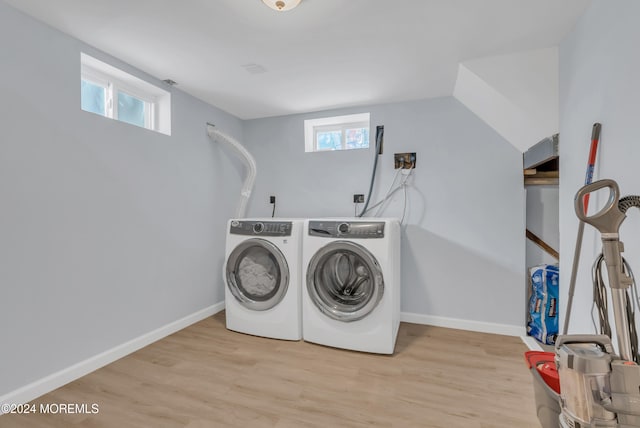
<point x="595" y="138"/>
<point x="593" y="150"/>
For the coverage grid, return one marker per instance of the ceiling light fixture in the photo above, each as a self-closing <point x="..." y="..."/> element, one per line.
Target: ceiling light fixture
<point x="281" y="5"/>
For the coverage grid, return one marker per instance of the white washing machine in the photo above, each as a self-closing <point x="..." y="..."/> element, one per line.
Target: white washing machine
<point x="351" y="295"/>
<point x="263" y="279"/>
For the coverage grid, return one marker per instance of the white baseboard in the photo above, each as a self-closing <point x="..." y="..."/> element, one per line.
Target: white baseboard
<point x="49" y="383"/>
<point x="483" y="327"/>
<point x="531" y="343"/>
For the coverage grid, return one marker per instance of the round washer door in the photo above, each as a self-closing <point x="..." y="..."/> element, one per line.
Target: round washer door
<point x="257" y="274"/>
<point x="344" y="281"/>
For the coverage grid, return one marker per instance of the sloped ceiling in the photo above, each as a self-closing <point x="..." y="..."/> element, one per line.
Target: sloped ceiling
<point x="323" y="54"/>
<point x="516" y="94"/>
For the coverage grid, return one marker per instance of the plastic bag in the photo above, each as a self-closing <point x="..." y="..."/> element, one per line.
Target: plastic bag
<point x="543" y="304"/>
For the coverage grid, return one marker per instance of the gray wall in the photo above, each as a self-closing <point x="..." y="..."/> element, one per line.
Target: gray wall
<point x="107" y="231"/>
<point x="463" y="246"/>
<point x="599" y="69"/>
<point x="543" y="220"/>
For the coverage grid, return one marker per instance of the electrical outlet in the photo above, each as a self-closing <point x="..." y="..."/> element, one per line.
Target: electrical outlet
<point x="358" y="198"/>
<point x="404" y="160"/>
<point x="272" y="199"/>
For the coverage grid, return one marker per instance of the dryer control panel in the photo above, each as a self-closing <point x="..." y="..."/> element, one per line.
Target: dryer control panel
<point x="347" y="229"/>
<point x="260" y="228"/>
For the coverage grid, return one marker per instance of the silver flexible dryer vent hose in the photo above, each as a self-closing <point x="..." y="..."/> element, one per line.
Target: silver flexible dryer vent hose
<point x="248" y="161"/>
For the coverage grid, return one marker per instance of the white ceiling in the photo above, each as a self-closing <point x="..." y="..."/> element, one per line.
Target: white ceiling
<point x="323" y="54"/>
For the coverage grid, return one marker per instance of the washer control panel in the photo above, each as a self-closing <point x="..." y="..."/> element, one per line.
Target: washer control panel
<point x="355" y="229"/>
<point x="260" y="228"/>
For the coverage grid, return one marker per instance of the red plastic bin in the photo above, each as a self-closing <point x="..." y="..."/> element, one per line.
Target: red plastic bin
<point x="546" y="387"/>
<point x="545" y="363"/>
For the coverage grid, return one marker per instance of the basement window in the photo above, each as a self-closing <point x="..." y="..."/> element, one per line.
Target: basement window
<point x="337" y="133"/>
<point x="115" y="94"/>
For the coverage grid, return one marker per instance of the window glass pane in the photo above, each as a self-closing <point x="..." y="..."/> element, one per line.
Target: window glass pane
<point x="330" y="140"/>
<point x="337" y="133"/>
<point x="131" y="109"/>
<point x="357" y="138"/>
<point x="92" y="97"/>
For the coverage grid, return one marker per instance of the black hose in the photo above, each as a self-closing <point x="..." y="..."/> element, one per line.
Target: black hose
<point x="379" y="135"/>
<point x="633" y="331"/>
<point x="623" y="205"/>
<point x="600" y="297"/>
<point x="627" y="202"/>
<point x="600" y="303"/>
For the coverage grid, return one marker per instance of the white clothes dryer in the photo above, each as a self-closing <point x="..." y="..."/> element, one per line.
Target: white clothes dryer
<point x="262" y="275"/>
<point x="351" y="295"/>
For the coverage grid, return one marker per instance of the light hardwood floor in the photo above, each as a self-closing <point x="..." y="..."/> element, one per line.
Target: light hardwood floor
<point x="207" y="376"/>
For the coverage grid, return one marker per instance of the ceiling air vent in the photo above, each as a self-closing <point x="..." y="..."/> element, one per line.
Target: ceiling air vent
<point x="254" y="68"/>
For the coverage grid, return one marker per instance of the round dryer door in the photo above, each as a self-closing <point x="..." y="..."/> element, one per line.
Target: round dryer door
<point x="344" y="281"/>
<point x="257" y="274"/>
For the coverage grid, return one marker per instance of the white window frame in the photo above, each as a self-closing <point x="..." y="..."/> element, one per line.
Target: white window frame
<point x="335" y="123"/>
<point x="157" y="100"/>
